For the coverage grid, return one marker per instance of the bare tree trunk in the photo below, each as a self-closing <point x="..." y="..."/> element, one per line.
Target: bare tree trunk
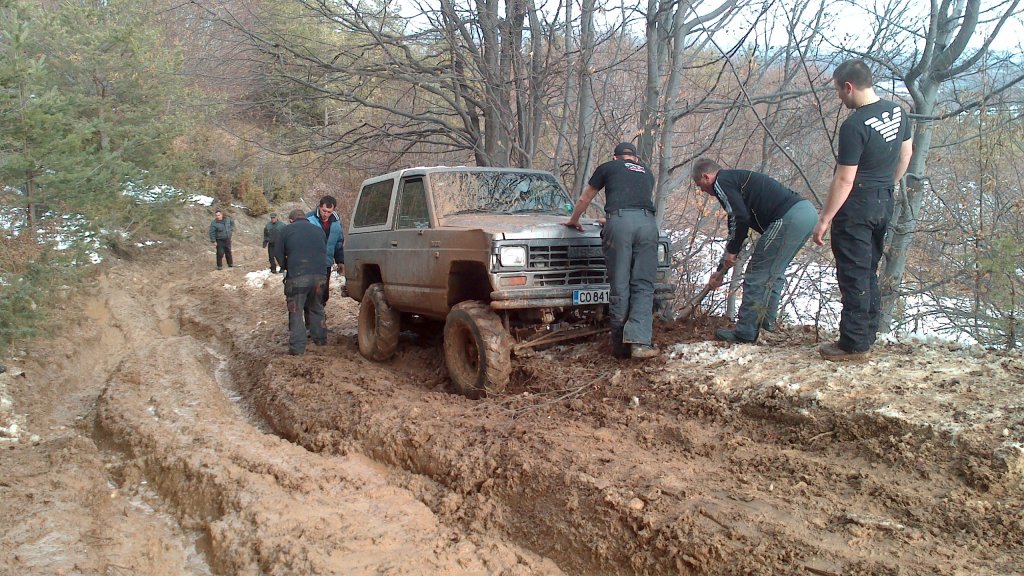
<point x="951" y="27"/>
<point x="587" y="105"/>
<point x="563" y="121"/>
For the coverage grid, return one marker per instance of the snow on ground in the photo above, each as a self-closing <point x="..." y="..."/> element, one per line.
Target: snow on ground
<point x="928" y="382"/>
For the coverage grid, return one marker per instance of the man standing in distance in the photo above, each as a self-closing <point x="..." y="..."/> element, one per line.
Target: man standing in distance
<point x="874" y="152"/>
<point x="630" y="243"/>
<point x="328" y="221"/>
<point x="271" y="232"/>
<point x="221" y="229"/>
<point x="301" y="252"/>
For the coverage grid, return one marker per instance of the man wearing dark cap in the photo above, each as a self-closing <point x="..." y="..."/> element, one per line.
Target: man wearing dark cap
<point x="630" y="243"/>
<point x="301" y="251"/>
<point x="271" y="232"/>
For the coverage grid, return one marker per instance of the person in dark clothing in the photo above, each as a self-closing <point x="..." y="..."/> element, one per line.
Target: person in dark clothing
<point x="874" y="152"/>
<point x="301" y="251"/>
<point x="784" y="221"/>
<point x="326" y="218"/>
<point x="271" y="232"/>
<point x="221" y="229"/>
<point x="630" y="243"/>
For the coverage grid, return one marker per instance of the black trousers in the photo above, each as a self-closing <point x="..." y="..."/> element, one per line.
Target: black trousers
<point x="858" y="238"/>
<point x="323" y="295"/>
<point x="274" y="264"/>
<point x="327" y="291"/>
<point x="302" y="294"/>
<point x="224" y="251"/>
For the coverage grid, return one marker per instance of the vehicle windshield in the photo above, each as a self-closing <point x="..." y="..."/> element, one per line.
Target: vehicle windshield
<point x="498" y="193"/>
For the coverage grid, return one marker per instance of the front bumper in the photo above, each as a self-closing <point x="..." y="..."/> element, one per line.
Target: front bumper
<point x="560" y="297"/>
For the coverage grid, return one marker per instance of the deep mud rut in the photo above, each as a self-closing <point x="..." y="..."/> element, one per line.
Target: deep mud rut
<point x="175" y="436"/>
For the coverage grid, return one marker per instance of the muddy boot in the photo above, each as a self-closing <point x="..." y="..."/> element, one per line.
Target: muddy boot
<point x="643" y="351"/>
<point x="833" y="353"/>
<point x="619" y="350"/>
<point x="731" y="336"/>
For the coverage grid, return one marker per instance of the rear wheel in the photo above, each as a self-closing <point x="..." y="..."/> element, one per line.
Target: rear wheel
<point x="477" y="350"/>
<point x="378" y="325"/>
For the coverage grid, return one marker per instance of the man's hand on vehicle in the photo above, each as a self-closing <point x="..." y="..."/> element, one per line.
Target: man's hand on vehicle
<point x="575" y="225"/>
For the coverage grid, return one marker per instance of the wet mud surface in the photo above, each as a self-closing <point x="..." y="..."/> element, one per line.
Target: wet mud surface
<point x="165" y="431"/>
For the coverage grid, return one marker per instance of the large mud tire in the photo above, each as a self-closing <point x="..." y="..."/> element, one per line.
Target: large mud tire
<point x="379" y="325"/>
<point x="477" y="350"/>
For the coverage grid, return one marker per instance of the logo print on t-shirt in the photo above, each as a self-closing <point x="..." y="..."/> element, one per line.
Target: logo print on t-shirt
<point x="888" y="126"/>
<point x="635" y="167"/>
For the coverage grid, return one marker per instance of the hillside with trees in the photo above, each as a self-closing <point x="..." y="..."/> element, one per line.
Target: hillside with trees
<point x="248" y="100"/>
<point x="152" y="421"/>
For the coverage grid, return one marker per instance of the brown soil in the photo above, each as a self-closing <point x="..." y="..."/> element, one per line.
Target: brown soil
<point x="165" y="431"/>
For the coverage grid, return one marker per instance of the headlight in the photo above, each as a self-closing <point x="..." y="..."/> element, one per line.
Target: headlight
<point x="663" y="254"/>
<point x="512" y="256"/>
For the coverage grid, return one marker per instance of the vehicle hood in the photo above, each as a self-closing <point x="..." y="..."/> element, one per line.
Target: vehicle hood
<point x="521" y="226"/>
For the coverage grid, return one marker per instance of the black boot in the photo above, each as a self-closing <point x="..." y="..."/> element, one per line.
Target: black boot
<point x="619" y="350"/>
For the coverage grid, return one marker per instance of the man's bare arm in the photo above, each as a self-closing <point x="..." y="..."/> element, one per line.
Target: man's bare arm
<point x="906" y="151"/>
<point x="838" y="192"/>
<point x="581" y="206"/>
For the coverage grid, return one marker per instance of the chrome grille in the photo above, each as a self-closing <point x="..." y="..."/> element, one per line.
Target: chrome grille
<point x="573" y="278"/>
<point x="565" y="256"/>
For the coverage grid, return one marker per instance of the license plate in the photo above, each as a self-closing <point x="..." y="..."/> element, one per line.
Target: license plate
<point x="589" y="297"/>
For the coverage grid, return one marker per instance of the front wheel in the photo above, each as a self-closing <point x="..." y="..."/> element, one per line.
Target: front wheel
<point x="378" y="325"/>
<point x="477" y="350"/>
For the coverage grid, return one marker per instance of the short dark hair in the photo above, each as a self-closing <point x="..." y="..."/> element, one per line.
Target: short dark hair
<point x="328" y="201"/>
<point x="296" y="215"/>
<point x="855" y="72"/>
<point x="703" y="166"/>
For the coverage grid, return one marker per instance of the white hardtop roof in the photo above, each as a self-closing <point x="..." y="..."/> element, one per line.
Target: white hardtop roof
<point x="428" y="169"/>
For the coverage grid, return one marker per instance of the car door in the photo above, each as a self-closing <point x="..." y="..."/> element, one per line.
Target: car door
<point x="413" y="283"/>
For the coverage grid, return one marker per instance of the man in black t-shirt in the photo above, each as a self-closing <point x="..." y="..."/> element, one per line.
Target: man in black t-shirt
<point x="301" y="249"/>
<point x="874" y="152"/>
<point x="630" y="243"/>
<point x="784" y="221"/>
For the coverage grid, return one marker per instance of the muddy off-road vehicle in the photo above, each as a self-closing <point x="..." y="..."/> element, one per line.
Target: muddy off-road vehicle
<point x="484" y="250"/>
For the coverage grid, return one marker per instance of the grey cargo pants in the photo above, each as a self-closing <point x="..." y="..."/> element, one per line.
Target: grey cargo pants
<point x="630" y="243"/>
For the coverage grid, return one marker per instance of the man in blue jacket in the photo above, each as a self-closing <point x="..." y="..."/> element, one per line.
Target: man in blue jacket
<point x="784" y="220"/>
<point x="300" y="250"/>
<point x="328" y="221"/>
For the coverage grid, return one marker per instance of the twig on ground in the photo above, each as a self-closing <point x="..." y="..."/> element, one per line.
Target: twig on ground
<point x="816" y="436"/>
<point x="708" y="515"/>
<point x="819" y="572"/>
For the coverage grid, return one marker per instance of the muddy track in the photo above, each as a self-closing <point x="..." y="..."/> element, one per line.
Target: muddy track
<point x="263" y="505"/>
<point x="620" y="470"/>
<point x="198" y="433"/>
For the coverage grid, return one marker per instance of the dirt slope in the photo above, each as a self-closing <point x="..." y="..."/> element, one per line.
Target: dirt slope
<point x="166" y="432"/>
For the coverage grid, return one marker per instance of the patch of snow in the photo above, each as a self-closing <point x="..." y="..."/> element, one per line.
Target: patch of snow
<point x="200" y="199"/>
<point x="705" y="352"/>
<point x="890" y="412"/>
<point x="258" y="278"/>
<point x="152" y="195"/>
